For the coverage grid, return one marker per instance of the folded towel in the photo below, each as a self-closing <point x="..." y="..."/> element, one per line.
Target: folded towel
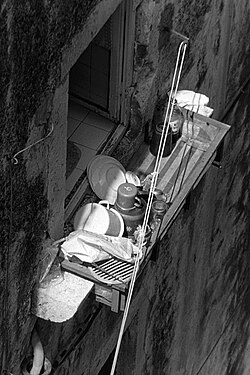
<point x="193" y="101"/>
<point x="202" y="110"/>
<point x="188" y="97"/>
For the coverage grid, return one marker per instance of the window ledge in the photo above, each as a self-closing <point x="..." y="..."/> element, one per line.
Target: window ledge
<point x="179" y="174"/>
<point x="59" y="301"/>
<point x="192" y="156"/>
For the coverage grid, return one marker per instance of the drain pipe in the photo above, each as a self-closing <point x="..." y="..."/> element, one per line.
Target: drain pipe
<point x="38" y="364"/>
<point x="38" y="354"/>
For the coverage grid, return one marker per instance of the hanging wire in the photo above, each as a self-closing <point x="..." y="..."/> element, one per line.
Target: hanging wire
<point x="174" y="87"/>
<point x="213" y="347"/>
<point x="15" y="160"/>
<point x="166" y="124"/>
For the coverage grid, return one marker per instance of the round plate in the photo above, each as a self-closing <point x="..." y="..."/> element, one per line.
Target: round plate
<point x="95" y="164"/>
<point x="132" y="178"/>
<point x="105" y="175"/>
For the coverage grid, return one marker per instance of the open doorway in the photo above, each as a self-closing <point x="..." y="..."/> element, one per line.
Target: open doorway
<point x="96" y="90"/>
<point x="89" y="77"/>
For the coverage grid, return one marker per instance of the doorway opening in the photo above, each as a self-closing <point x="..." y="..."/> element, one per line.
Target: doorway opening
<point x="97" y="84"/>
<point x="89" y="77"/>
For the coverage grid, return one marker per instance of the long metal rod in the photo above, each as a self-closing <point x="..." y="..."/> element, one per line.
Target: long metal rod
<point x="174" y="87"/>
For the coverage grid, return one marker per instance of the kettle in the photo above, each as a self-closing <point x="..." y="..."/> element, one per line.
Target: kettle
<point x="130" y="207"/>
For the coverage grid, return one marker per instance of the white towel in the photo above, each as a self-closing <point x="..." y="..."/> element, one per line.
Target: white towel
<point x="193" y="101"/>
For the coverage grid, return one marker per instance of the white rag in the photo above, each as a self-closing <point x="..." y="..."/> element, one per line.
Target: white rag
<point x="193" y="101"/>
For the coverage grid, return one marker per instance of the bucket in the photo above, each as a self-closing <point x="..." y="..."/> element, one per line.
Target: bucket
<point x="96" y="218"/>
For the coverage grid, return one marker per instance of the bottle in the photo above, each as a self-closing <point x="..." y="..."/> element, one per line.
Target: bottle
<point x="174" y="133"/>
<point x="155" y="141"/>
<point x="158" y="210"/>
<point x="176" y="123"/>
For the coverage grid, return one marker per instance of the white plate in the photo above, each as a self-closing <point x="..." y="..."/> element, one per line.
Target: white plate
<point x="97" y="161"/>
<point x="132" y="178"/>
<point x="105" y="175"/>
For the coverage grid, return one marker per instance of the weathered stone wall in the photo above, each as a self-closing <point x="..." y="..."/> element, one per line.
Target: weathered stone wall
<point x="190" y="312"/>
<point x="197" y="291"/>
<point x="33" y="105"/>
<point x="196" y="295"/>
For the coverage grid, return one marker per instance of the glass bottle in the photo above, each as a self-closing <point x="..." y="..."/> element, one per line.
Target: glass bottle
<point x="155" y="142"/>
<point x="174" y="133"/>
<point x="158" y="210"/>
<point x="176" y="123"/>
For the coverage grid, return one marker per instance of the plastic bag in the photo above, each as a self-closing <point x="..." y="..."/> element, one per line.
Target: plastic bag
<point x="91" y="247"/>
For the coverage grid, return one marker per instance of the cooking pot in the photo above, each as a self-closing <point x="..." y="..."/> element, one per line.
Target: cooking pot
<point x="99" y="218"/>
<point x="130" y="207"/>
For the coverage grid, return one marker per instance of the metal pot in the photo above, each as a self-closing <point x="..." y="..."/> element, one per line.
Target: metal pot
<point x="131" y="208"/>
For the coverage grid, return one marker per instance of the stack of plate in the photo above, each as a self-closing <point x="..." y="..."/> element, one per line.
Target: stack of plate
<point x="105" y="175"/>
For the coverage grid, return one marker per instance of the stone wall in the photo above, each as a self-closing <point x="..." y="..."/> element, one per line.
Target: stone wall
<point x="194" y="311"/>
<point x="196" y="294"/>
<point x="33" y="114"/>
<point x="190" y="310"/>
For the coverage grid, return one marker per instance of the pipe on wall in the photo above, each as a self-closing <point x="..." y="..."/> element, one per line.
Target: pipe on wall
<point x="39" y="362"/>
<point x="38" y="354"/>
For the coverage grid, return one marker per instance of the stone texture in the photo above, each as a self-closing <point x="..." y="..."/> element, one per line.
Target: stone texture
<point x="194" y="299"/>
<point x="60" y="299"/>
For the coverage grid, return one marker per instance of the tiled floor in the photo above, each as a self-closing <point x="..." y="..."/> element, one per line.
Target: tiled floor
<point x="87" y="130"/>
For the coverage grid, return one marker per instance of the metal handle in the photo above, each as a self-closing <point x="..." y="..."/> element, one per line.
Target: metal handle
<point x="103" y="203"/>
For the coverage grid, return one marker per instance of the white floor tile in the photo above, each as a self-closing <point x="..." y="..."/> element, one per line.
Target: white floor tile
<point x="98" y="121"/>
<point x="77" y="111"/>
<point x="86" y="155"/>
<point x="89" y="136"/>
<point x="72" y="125"/>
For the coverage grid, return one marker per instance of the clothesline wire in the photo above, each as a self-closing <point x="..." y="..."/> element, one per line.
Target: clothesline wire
<point x="15" y="160"/>
<point x="170" y="106"/>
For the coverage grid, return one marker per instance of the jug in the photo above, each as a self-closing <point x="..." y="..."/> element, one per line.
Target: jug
<point x="130" y="207"/>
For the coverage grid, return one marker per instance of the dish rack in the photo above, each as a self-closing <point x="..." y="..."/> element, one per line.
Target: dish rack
<point x="110" y="277"/>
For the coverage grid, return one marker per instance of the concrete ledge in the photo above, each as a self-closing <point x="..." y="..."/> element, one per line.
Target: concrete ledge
<point x="59" y="300"/>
